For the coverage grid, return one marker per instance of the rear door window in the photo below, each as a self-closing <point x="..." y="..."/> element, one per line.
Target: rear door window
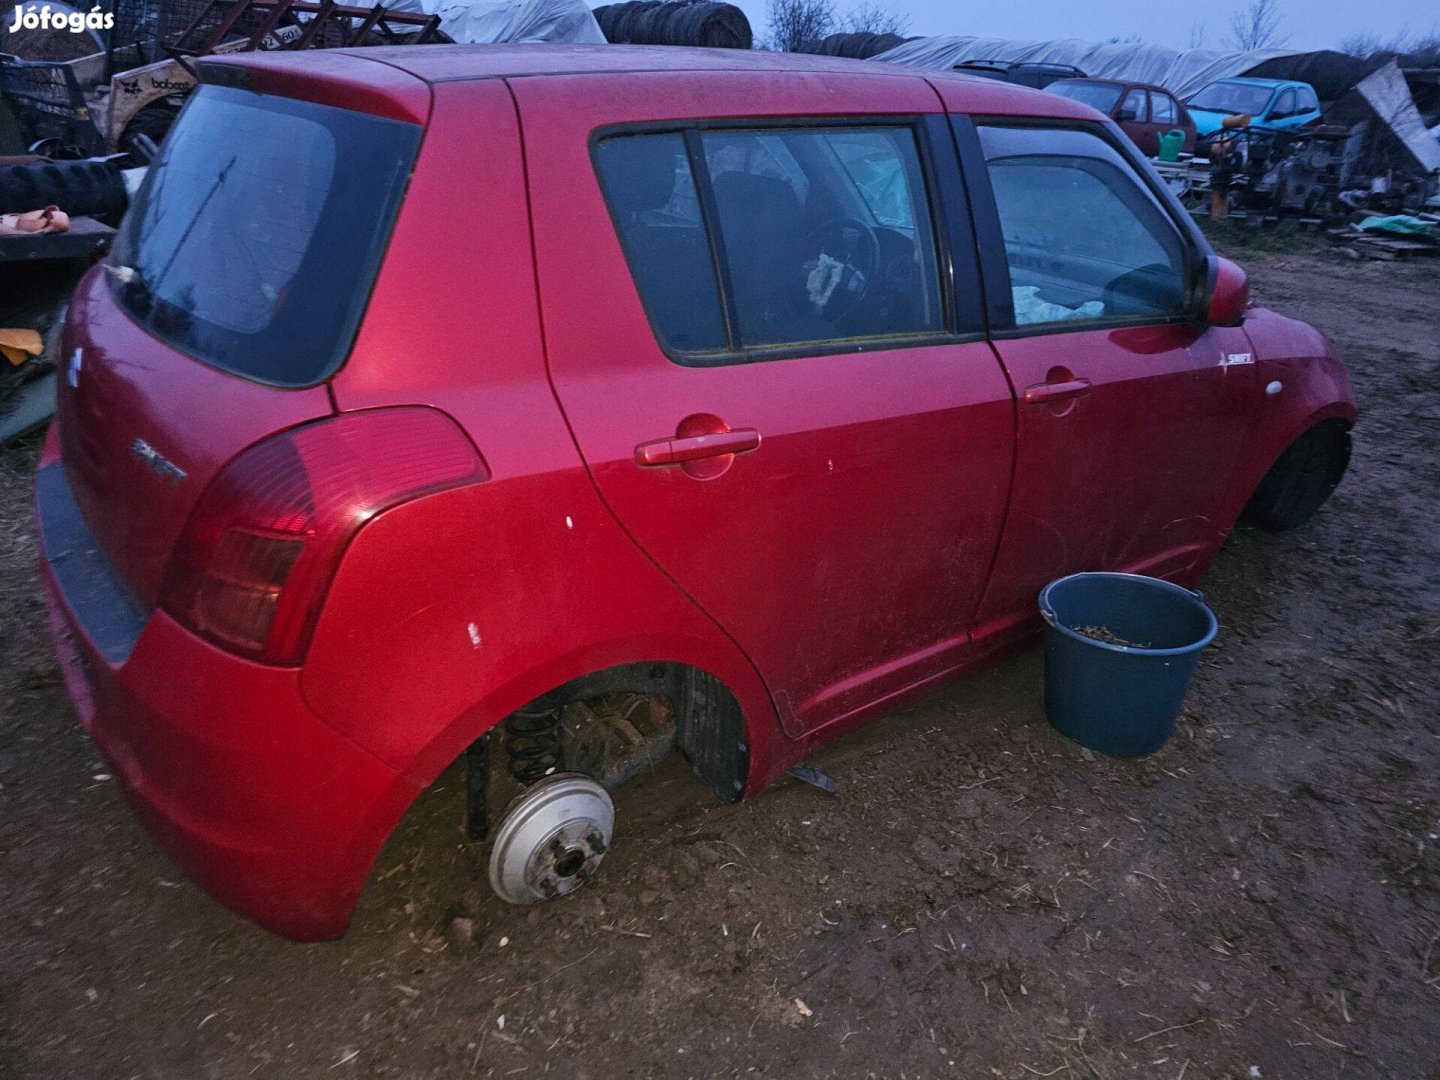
<point x="1084" y="239"/>
<point x="792" y="236"/>
<point x="256" y="237"/>
<point x="653" y="198"/>
<point x="1162" y="108"/>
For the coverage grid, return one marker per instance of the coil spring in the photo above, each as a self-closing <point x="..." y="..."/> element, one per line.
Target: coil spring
<point x="534" y="744"/>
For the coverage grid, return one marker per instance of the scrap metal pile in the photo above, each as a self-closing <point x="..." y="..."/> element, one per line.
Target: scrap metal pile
<point x="69" y="125"/>
<point x="1371" y="154"/>
<point x="124" y="98"/>
<point x="1259" y="172"/>
<point x="1374" y="150"/>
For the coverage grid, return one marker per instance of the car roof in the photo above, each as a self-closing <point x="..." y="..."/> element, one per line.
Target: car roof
<point x="1008" y="65"/>
<point x="1117" y="82"/>
<point x="450" y="63"/>
<point x="1246" y="80"/>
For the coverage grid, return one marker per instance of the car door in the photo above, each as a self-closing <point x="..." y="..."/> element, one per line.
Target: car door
<point x="1153" y="128"/>
<point x="1165" y="116"/>
<point x="1135" y="120"/>
<point x="765" y="333"/>
<point x="1307" y="106"/>
<point x="1281" y="112"/>
<point x="1130" y="411"/>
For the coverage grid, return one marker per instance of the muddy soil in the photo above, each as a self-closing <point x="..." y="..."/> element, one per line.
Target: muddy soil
<point x="982" y="898"/>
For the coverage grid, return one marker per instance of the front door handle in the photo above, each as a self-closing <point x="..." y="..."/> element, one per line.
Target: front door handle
<point x="678" y="450"/>
<point x="1048" y="392"/>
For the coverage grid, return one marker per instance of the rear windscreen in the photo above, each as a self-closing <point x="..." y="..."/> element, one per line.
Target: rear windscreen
<point x="256" y="237"/>
<point x="1098" y="95"/>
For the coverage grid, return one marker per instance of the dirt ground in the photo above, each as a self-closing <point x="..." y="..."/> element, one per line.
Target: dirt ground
<point x="982" y="898"/>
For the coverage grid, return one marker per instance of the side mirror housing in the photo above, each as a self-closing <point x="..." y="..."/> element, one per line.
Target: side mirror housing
<point x="1229" y="294"/>
<point x="1126" y="116"/>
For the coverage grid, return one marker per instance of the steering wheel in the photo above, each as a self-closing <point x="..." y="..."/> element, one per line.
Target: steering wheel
<point x="850" y="241"/>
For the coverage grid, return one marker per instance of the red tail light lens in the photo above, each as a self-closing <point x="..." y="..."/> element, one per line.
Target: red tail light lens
<point x="257" y="556"/>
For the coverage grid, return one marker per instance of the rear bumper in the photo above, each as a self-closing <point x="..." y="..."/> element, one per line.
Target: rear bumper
<point x="270" y="810"/>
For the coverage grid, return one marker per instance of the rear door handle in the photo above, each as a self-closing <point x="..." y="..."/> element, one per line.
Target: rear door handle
<point x="1046" y="392"/>
<point x="677" y="450"/>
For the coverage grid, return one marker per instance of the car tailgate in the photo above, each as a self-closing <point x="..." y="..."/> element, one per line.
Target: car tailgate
<point x="144" y="427"/>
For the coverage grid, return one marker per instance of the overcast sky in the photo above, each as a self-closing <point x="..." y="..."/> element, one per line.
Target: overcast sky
<point x="1309" y="24"/>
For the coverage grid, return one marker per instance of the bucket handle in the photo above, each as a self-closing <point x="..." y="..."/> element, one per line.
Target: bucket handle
<point x="1049" y="616"/>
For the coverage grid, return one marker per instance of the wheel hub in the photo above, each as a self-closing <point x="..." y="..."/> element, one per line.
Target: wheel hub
<point x="552" y="839"/>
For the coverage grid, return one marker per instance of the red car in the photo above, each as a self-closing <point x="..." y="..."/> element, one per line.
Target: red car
<point x="1144" y="112"/>
<point x="429" y="390"/>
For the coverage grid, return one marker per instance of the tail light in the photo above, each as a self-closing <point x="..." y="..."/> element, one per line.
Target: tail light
<point x="257" y="556"/>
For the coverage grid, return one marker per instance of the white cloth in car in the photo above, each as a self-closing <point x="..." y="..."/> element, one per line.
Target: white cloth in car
<point x="1029" y="308"/>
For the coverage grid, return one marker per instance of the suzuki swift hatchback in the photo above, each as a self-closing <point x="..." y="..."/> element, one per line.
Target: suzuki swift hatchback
<point x="429" y="391"/>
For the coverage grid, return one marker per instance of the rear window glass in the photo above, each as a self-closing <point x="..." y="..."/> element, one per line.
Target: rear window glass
<point x="810" y="235"/>
<point x="653" y="196"/>
<point x="256" y="237"/>
<point x="1098" y="95"/>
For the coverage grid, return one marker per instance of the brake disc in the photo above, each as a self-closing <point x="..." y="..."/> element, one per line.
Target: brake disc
<point x="551" y="839"/>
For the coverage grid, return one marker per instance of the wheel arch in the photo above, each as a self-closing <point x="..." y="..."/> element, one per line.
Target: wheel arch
<point x="725" y="728"/>
<point x="1268" y="448"/>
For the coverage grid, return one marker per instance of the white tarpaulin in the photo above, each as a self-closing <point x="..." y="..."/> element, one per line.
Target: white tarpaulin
<point x="1386" y="91"/>
<point x="493" y="22"/>
<point x="1181" y="71"/>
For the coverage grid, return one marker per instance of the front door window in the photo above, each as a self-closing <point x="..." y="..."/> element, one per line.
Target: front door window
<point x="1083" y="240"/>
<point x="1134" y="107"/>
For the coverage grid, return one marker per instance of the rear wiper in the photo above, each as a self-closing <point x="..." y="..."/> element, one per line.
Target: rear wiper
<point x="126" y="275"/>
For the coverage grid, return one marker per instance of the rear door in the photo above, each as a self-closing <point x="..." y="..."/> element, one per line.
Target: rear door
<point x="784" y="393"/>
<point x="1130" y="411"/>
<point x="1165" y="117"/>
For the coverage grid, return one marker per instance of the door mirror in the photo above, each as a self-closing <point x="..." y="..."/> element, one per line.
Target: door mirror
<point x="1229" y="294"/>
<point x="1127" y="114"/>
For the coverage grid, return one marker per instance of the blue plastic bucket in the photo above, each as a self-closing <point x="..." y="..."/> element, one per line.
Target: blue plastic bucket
<point x="1120" y="698"/>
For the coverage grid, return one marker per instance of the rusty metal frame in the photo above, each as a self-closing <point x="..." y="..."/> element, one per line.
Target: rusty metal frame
<point x="311" y="18"/>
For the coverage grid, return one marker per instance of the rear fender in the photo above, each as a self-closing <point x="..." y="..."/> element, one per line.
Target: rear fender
<point x="437" y="627"/>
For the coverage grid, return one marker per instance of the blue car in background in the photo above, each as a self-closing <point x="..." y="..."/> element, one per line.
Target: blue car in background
<point x="1277" y="104"/>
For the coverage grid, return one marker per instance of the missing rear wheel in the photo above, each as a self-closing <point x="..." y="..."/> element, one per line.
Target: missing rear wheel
<point x="551" y="839"/>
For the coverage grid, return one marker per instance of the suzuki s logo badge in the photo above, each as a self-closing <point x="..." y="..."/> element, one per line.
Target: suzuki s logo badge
<point x="157" y="461"/>
<point x="72" y="374"/>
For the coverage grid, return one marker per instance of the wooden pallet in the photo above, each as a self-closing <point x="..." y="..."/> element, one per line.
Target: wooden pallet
<point x="1386" y="246"/>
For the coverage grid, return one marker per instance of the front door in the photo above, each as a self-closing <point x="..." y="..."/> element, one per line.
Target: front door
<point x="752" y="332"/>
<point x="1135" y="119"/>
<point x="1130" y="412"/>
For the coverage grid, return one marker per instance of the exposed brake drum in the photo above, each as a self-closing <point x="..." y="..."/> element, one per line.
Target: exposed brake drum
<point x="551" y="839"/>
